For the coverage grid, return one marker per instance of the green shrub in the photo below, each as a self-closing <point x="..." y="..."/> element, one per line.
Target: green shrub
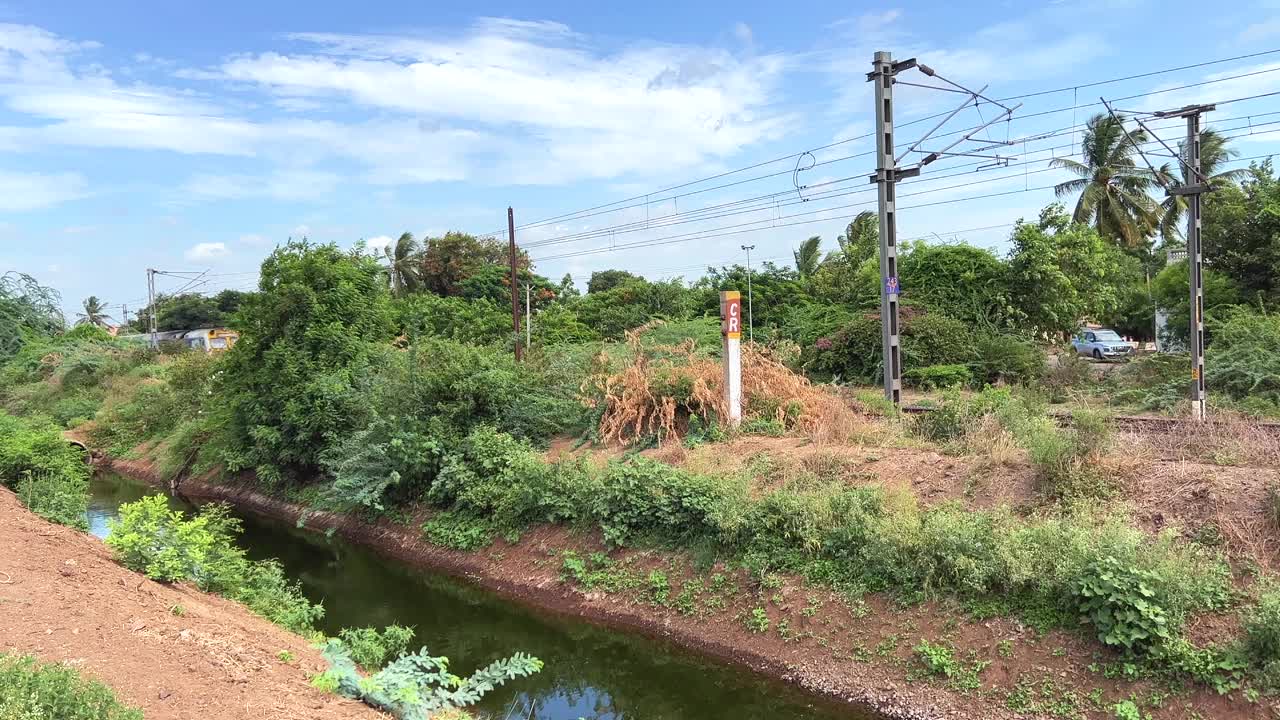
<point x="31" y="691"/>
<point x="641" y="495"/>
<point x="854" y="353"/>
<point x="167" y="546"/>
<point x="459" y="531"/>
<point x="63" y="499"/>
<point x="49" y="475"/>
<point x="1007" y="359"/>
<point x="932" y="377"/>
<point x="1120" y="602"/>
<point x="1262" y="628"/>
<point x="1069" y="375"/>
<point x="371" y="648"/>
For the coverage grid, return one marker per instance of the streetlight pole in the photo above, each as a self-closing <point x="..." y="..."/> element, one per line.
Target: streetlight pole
<point x="751" y="324"/>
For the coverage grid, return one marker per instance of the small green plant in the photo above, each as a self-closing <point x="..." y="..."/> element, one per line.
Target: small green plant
<point x="177" y="610"/>
<point x="758" y="621"/>
<point x="1127" y="710"/>
<point x="417" y="686"/>
<point x="36" y="691"/>
<point x="937" y="659"/>
<point x="1004" y="648"/>
<point x="659" y="588"/>
<point x="1121" y="605"/>
<point x="371" y="649"/>
<point x="285" y="656"/>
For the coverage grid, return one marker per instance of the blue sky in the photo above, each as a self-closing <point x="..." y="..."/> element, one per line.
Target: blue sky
<point x="196" y="138"/>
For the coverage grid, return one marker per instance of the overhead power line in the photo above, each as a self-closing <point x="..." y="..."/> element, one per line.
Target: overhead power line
<point x="712" y="233"/>
<point x="771" y="201"/>
<point x="648" y="197"/>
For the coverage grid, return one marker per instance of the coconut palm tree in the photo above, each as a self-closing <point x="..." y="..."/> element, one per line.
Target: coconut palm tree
<point x="808" y="256"/>
<point x="1113" y="186"/>
<point x="1214" y="154"/>
<point x="94" y="312"/>
<point x="402" y="264"/>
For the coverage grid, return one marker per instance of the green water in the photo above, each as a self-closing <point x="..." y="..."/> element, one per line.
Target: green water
<point x="590" y="672"/>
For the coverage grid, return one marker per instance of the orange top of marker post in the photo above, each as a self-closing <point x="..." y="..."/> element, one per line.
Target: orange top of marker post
<point x="731" y="314"/>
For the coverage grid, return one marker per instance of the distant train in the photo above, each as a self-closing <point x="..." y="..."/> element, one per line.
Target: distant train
<point x="209" y="340"/>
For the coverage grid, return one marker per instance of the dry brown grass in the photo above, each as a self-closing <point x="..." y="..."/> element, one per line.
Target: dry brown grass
<point x="1227" y="440"/>
<point x="658" y="389"/>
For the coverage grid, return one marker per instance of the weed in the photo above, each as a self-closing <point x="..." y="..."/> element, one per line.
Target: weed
<point x="32" y="690"/>
<point x="758" y="621"/>
<point x="659" y="588"/>
<point x="1121" y="605"/>
<point x="1004" y="648"/>
<point x="285" y="656"/>
<point x="371" y="648"/>
<point x="177" y="610"/>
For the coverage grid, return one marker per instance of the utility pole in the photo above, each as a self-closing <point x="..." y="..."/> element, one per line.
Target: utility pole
<point x="751" y="319"/>
<point x="1194" y="185"/>
<point x="515" y="289"/>
<point x="886" y="179"/>
<point x="528" y="318"/>
<point x="151" y="305"/>
<point x="125" y="310"/>
<point x="888" y="173"/>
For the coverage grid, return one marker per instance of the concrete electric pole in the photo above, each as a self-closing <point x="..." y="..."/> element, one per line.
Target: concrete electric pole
<point x="751" y="319"/>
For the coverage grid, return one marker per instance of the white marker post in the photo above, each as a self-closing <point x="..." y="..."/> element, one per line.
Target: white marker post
<point x="731" y="329"/>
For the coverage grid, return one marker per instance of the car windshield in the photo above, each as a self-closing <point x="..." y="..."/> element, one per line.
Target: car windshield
<point x="1108" y="336"/>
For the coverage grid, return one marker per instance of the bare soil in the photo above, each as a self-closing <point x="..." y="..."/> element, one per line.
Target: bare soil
<point x="171" y="650"/>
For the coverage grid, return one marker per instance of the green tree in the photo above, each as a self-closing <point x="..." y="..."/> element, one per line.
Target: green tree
<point x="1241" y="231"/>
<point x="861" y="239"/>
<point x="191" y="310"/>
<point x="602" y="280"/>
<point x="962" y="281"/>
<point x="27" y="309"/>
<point x="94" y="312"/>
<point x="403" y="263"/>
<point x="1214" y="155"/>
<point x="773" y="291"/>
<point x="311" y="331"/>
<point x="1171" y="291"/>
<point x="448" y="261"/>
<point x="1060" y="272"/>
<point x="1113" y="189"/>
<point x="808" y="256"/>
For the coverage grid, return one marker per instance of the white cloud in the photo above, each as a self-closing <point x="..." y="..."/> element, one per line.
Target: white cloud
<point x="378" y="243"/>
<point x="279" y="185"/>
<point x="207" y="251"/>
<point x="300" y="231"/>
<point x="253" y="239"/>
<point x="1260" y="31"/>
<point x="36" y="191"/>
<point x="743" y="32"/>
<point x="506" y="101"/>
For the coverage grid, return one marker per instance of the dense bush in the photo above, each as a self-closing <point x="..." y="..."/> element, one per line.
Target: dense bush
<point x="49" y="475"/>
<point x="854" y="353"/>
<point x="932" y="377"/>
<point x="1262" y="631"/>
<point x="32" y="691"/>
<point x="169" y="547"/>
<point x="306" y="336"/>
<point x="1007" y="359"/>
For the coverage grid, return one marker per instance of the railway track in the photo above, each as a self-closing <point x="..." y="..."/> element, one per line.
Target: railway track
<point x="1140" y="423"/>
